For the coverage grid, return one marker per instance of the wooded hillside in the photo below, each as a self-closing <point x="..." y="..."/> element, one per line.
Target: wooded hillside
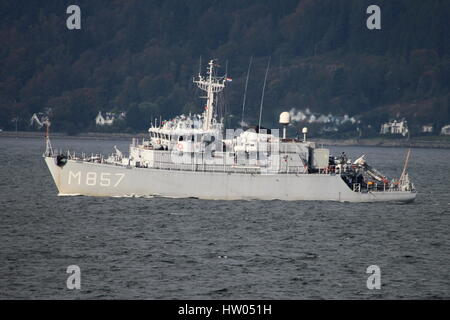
<point x="140" y="56"/>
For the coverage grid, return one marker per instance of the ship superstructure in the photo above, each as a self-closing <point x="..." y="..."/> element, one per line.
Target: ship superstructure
<point x="193" y="156"/>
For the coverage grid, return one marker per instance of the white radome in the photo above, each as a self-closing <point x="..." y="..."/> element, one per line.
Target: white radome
<point x="285" y="118"/>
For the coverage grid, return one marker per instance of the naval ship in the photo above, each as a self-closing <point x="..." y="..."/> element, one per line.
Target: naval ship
<point x="192" y="156"/>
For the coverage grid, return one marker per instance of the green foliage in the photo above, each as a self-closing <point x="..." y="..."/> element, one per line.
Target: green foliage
<point x="139" y="57"/>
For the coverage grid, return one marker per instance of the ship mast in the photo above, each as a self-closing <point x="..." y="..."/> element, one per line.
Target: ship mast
<point x="48" y="145"/>
<point x="212" y="85"/>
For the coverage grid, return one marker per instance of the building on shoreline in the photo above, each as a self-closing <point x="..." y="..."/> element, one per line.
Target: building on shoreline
<point x="445" y="131"/>
<point x="109" y="118"/>
<point x="395" y="127"/>
<point x="427" y="128"/>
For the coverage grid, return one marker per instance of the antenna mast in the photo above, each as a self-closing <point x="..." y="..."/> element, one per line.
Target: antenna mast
<point x="262" y="96"/>
<point x="405" y="166"/>
<point x="245" y="91"/>
<point x="48" y="145"/>
<point x="212" y="85"/>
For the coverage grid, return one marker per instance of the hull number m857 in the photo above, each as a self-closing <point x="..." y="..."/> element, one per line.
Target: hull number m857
<point x="103" y="179"/>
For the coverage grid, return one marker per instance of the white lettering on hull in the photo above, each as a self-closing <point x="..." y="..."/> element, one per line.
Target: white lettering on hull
<point x="103" y="179"/>
<point x="78" y="175"/>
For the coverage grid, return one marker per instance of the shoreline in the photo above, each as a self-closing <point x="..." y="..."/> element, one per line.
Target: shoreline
<point x="373" y="142"/>
<point x="388" y="143"/>
<point x="81" y="136"/>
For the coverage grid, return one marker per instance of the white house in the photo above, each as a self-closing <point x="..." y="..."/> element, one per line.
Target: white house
<point x="428" y="128"/>
<point x="106" y="120"/>
<point x="446" y="130"/>
<point x="109" y="118"/>
<point x="395" y="127"/>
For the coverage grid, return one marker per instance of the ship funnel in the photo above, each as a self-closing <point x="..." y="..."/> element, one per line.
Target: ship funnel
<point x="285" y="119"/>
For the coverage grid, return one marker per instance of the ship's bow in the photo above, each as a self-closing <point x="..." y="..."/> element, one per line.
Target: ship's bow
<point x="55" y="171"/>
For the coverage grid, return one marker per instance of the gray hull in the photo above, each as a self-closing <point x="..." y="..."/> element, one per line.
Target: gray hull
<point x="94" y="179"/>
